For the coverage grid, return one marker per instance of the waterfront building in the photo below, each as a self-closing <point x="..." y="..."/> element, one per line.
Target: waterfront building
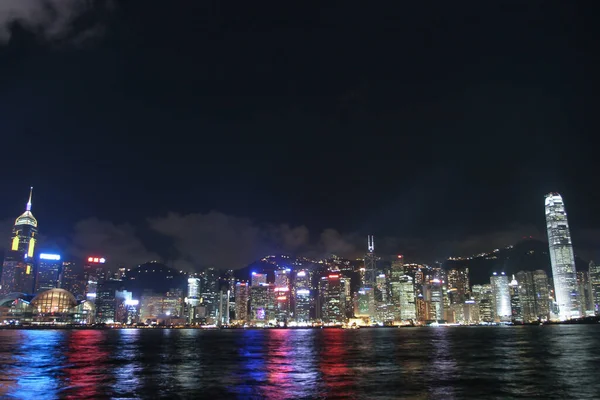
<point x="434" y="300"/>
<point x="515" y="301"/>
<point x="584" y="285"/>
<point x="594" y="271"/>
<point x="302" y="296"/>
<point x="501" y="293"/>
<point x="564" y="273"/>
<point x="543" y="299"/>
<point x="527" y="295"/>
<point x="18" y="267"/>
<point x="263" y="303"/>
<point x="406" y="295"/>
<point x="458" y="284"/>
<point x="484" y="298"/>
<point x="71" y="279"/>
<point x="241" y="301"/>
<point x="48" y="272"/>
<point x="332" y="298"/>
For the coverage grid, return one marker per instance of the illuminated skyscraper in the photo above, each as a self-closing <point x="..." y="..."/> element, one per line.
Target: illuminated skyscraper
<point x="594" y="272"/>
<point x="500" y="289"/>
<point x="515" y="301"/>
<point x="48" y="272"/>
<point x="458" y="284"/>
<point x="332" y="295"/>
<point x="241" y="301"/>
<point x="193" y="292"/>
<point x="258" y="279"/>
<point x="262" y="303"/>
<point x="24" y="235"/>
<point x="527" y="296"/>
<point x="71" y="280"/>
<point x="370" y="263"/>
<point x="302" y="298"/>
<point x="18" y="267"/>
<point x="564" y="273"/>
<point x="407" y="299"/>
<point x="484" y="298"/>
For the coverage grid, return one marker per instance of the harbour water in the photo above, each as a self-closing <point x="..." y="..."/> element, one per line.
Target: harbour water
<point x="415" y="363"/>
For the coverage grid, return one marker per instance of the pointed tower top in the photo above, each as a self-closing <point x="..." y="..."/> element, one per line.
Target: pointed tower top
<point x="28" y="208"/>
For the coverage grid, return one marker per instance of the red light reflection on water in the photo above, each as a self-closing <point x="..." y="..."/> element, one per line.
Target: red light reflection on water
<point x="85" y="358"/>
<point x="335" y="372"/>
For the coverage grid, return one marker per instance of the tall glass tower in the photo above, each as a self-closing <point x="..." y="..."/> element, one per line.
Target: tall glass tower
<point x="562" y="258"/>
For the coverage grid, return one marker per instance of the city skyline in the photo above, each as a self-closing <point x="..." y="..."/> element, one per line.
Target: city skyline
<point x="42" y="288"/>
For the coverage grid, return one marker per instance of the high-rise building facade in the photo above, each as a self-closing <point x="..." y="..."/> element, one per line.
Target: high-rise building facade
<point x="458" y="284"/>
<point x="302" y="297"/>
<point x="515" y="300"/>
<point x="564" y="272"/>
<point x="406" y="304"/>
<point x="501" y="293"/>
<point x="25" y="230"/>
<point x="48" y="272"/>
<point x="332" y="296"/>
<point x="594" y="271"/>
<point x="241" y="301"/>
<point x="258" y="278"/>
<point x="18" y="271"/>
<point x="262" y="303"/>
<point x="71" y="279"/>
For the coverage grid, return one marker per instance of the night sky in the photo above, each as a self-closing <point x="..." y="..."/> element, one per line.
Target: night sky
<point x="213" y="132"/>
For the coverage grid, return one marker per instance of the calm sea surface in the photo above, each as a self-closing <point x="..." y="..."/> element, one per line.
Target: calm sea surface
<point x="419" y="363"/>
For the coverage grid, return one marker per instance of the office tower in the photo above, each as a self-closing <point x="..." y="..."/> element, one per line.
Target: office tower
<point x="365" y="303"/>
<point x="434" y="300"/>
<point x="542" y="294"/>
<point x="484" y="298"/>
<point x="25" y="230"/>
<point x="210" y="281"/>
<point x="458" y="284"/>
<point x="173" y="302"/>
<point x="48" y="272"/>
<point x="223" y="310"/>
<point x="564" y="273"/>
<point x="406" y="294"/>
<point x="594" y="271"/>
<point x="93" y="274"/>
<point x="370" y="263"/>
<point x="262" y="303"/>
<point x="230" y="277"/>
<point x="584" y="287"/>
<point x="241" y="301"/>
<point x="258" y="279"/>
<point x="193" y="291"/>
<point x="282" y="277"/>
<point x="515" y="301"/>
<point x="500" y="290"/>
<point x="527" y="295"/>
<point x="71" y="280"/>
<point x="282" y="304"/>
<point x="106" y="301"/>
<point x="332" y="296"/>
<point x="18" y="267"/>
<point x="193" y="297"/>
<point x="302" y="297"/>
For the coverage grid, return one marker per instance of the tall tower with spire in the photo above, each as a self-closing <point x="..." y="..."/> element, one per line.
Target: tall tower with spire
<point x="18" y="267"/>
<point x="25" y="231"/>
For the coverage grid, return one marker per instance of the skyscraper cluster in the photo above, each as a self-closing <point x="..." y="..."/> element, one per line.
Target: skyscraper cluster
<point x="42" y="287"/>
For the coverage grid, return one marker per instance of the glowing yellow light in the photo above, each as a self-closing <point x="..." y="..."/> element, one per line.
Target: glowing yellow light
<point x="15" y="243"/>
<point x="31" y="247"/>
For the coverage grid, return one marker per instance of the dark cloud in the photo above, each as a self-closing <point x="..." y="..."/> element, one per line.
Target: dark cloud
<point x="225" y="241"/>
<point x="119" y="243"/>
<point x="53" y="20"/>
